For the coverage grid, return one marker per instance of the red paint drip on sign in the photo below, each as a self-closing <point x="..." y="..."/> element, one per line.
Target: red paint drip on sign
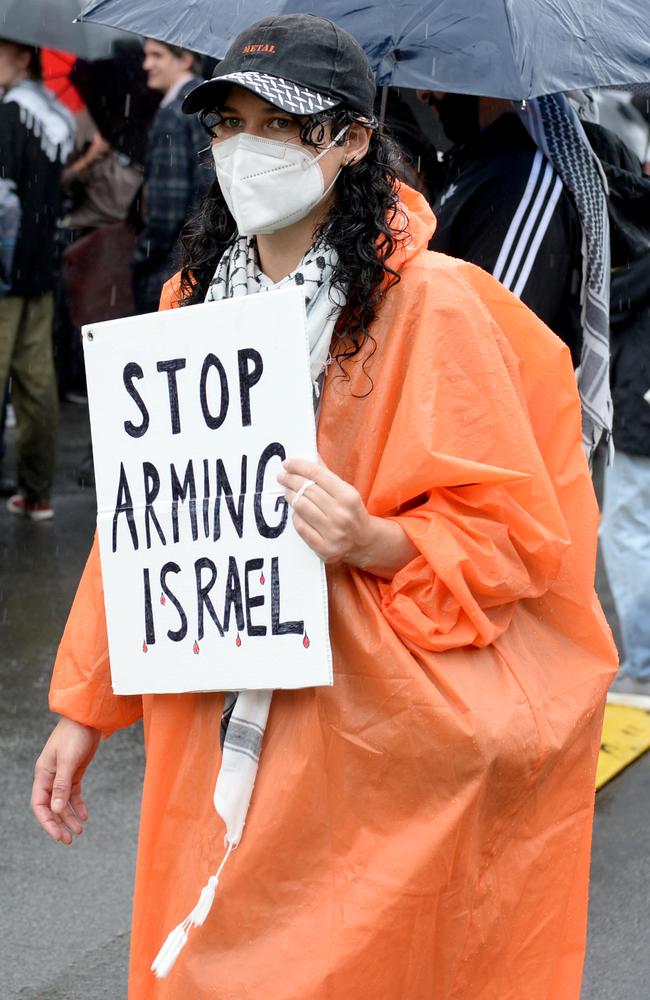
<point x="238" y="640"/>
<point x="305" y="641"/>
<point x="163" y="599"/>
<point x="262" y="580"/>
<point x="195" y="647"/>
<point x="145" y="648"/>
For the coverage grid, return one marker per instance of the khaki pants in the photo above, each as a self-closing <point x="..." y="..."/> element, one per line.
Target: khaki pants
<point x="26" y="356"/>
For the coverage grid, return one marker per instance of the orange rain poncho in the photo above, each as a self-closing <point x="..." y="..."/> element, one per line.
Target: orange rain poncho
<point x="421" y="830"/>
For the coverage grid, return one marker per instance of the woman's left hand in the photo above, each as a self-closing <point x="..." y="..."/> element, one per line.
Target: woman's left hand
<point x="329" y="515"/>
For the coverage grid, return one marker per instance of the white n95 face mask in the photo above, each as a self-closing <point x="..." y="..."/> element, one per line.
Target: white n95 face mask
<point x="267" y="184"/>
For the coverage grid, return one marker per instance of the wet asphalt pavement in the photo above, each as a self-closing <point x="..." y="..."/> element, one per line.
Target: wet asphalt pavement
<point x="65" y="912"/>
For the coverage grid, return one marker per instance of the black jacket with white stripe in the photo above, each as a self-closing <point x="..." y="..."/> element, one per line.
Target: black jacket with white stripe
<point x="504" y="208"/>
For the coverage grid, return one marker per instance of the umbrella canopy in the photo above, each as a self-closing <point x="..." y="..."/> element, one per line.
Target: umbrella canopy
<point x="50" y="23"/>
<point x="57" y="67"/>
<point x="515" y="49"/>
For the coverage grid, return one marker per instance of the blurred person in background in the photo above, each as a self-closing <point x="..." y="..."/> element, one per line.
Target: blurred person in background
<point x="99" y="187"/>
<point x="625" y="525"/>
<point x="504" y="207"/>
<point x="625" y="528"/>
<point x="174" y="181"/>
<point x="101" y="183"/>
<point x="9" y="227"/>
<point x="419" y="166"/>
<point x="618" y="113"/>
<point x="36" y="138"/>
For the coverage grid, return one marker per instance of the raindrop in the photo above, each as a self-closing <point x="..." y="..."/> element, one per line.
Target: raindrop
<point x="195" y="647"/>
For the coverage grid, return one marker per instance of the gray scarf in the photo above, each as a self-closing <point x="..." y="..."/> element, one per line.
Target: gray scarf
<point x="557" y="131"/>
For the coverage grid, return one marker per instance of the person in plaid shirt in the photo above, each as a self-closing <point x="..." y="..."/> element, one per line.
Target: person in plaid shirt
<point x="174" y="180"/>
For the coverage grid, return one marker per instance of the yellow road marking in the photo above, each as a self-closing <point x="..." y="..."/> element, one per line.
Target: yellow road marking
<point x="626" y="735"/>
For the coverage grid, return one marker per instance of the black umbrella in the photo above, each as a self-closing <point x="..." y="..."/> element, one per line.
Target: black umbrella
<point x="116" y="93"/>
<point x="515" y="49"/>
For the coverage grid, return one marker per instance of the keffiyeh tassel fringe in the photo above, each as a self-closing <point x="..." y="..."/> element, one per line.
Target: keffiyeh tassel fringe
<point x="177" y="939"/>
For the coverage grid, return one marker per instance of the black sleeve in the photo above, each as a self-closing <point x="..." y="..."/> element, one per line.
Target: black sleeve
<point x="610" y="149"/>
<point x="630" y="294"/>
<point x="521" y="226"/>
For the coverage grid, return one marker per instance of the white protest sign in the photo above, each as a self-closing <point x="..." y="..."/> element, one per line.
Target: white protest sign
<point x="207" y="585"/>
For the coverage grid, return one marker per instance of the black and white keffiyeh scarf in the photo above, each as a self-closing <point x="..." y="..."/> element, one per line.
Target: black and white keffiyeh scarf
<point x="557" y="131"/>
<point x="245" y="713"/>
<point x="238" y="273"/>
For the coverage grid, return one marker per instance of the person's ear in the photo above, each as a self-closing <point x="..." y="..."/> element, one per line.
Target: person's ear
<point x="24" y="60"/>
<point x="356" y="144"/>
<point x="187" y="60"/>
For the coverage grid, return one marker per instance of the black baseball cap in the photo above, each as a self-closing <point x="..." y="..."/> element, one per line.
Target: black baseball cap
<point x="300" y="63"/>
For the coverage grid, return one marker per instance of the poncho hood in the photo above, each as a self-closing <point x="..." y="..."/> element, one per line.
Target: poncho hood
<point x="419" y="223"/>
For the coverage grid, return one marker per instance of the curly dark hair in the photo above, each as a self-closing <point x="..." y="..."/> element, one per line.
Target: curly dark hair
<point x="362" y="226"/>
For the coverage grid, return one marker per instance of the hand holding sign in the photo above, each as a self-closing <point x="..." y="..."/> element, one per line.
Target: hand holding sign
<point x="330" y="516"/>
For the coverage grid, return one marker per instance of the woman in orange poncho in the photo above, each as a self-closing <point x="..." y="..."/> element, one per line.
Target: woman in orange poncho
<point x="421" y="830"/>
